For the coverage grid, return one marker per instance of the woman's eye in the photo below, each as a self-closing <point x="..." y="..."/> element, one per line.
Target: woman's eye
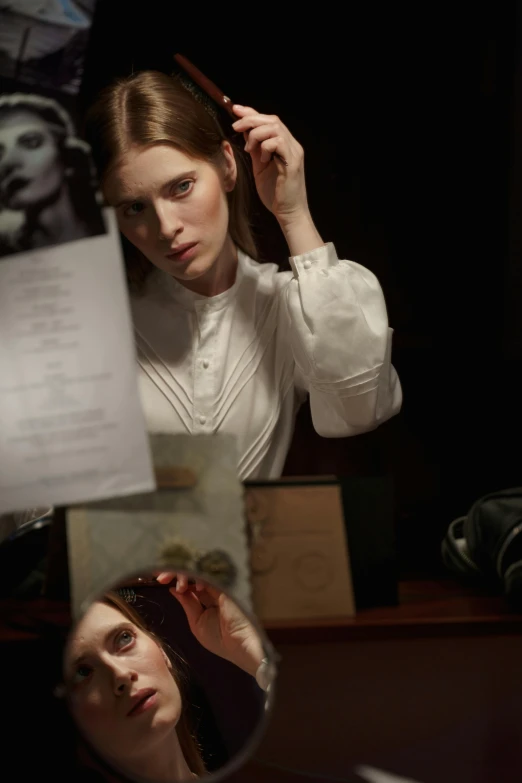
<point x="134" y="209"/>
<point x="184" y="187"/>
<point x="124" y="639"/>
<point x="31" y="141"/>
<point x="81" y="674"/>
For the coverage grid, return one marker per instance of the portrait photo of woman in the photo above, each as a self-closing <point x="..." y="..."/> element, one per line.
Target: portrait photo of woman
<point x="47" y="194"/>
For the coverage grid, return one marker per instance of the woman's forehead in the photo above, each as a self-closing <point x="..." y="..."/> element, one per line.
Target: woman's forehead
<point x="99" y="620"/>
<point x="22" y="118"/>
<point x="146" y="169"/>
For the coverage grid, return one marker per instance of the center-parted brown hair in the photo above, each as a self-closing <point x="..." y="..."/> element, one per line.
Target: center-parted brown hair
<point x="150" y="108"/>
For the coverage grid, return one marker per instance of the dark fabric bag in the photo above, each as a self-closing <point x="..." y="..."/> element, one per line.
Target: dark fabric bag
<point x="486" y="545"/>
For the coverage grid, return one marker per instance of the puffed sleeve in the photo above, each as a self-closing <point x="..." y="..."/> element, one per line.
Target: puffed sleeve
<point x="341" y="343"/>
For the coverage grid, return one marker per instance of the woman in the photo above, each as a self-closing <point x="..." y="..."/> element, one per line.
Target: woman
<point x="226" y="344"/>
<point x="46" y="183"/>
<point x="124" y="690"/>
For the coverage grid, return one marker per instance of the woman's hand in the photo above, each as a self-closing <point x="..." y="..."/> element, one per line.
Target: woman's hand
<point x="281" y="187"/>
<point x="217" y="623"/>
<point x="278" y="166"/>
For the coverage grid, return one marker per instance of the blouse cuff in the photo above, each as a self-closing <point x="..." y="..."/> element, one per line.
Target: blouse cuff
<point x="321" y="258"/>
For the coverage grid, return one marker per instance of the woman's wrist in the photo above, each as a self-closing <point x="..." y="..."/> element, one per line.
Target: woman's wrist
<point x="250" y="657"/>
<point x="300" y="233"/>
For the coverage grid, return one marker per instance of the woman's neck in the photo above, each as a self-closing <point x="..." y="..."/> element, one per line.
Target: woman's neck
<point x="220" y="277"/>
<point x="165" y="763"/>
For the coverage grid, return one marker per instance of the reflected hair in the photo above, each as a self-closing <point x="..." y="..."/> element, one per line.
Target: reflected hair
<point x="151" y="108"/>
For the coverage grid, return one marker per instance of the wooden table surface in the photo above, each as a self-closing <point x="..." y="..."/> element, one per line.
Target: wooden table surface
<point x="430" y="690"/>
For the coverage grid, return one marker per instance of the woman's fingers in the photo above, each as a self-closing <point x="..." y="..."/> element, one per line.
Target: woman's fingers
<point x="271" y="146"/>
<point x="208" y="597"/>
<point x="257" y="128"/>
<point x="255" y="119"/>
<point x="261" y="133"/>
<point x="261" y="127"/>
<point x="281" y="142"/>
<point x="182" y="583"/>
<point x="165" y="577"/>
<point x="243" y="111"/>
<point x="191" y="605"/>
<point x="264" y="142"/>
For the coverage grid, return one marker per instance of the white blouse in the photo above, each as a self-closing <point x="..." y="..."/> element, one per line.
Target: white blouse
<point x="243" y="361"/>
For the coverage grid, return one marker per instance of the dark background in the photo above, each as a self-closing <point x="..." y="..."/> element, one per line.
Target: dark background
<point x="410" y="120"/>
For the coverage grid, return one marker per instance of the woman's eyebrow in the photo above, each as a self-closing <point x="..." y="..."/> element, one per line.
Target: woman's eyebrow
<point x="109" y="633"/>
<point x="166" y="185"/>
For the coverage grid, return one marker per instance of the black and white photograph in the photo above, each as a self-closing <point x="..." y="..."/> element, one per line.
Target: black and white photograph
<point x="43" y="42"/>
<point x="47" y="181"/>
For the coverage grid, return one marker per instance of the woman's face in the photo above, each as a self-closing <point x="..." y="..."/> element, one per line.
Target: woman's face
<point x="173" y="207"/>
<point x="121" y="691"/>
<point x="31" y="170"/>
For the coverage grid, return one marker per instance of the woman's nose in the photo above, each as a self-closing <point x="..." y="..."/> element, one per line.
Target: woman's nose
<point x="123" y="679"/>
<point x="8" y="167"/>
<point x="169" y="222"/>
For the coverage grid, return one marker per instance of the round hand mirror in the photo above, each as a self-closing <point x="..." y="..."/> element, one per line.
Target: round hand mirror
<point x="163" y="677"/>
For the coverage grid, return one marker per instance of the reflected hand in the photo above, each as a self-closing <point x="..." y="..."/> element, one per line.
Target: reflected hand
<point x="281" y="187"/>
<point x="217" y="622"/>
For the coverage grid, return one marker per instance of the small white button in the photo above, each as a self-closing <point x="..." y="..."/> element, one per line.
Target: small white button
<point x="324" y="272"/>
<point x="307" y="264"/>
<point x="205" y="364"/>
<point x="202" y="419"/>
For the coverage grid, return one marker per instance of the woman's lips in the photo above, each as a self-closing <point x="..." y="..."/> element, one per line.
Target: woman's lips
<point x="144" y="700"/>
<point x="183" y="252"/>
<point x="13" y="186"/>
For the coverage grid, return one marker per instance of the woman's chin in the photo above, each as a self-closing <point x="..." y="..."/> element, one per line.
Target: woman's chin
<point x="192" y="271"/>
<point x="159" y="726"/>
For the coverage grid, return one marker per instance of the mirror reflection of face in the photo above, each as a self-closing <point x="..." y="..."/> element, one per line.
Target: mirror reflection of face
<point x="121" y="687"/>
<point x="31" y="169"/>
<point x="166" y="200"/>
